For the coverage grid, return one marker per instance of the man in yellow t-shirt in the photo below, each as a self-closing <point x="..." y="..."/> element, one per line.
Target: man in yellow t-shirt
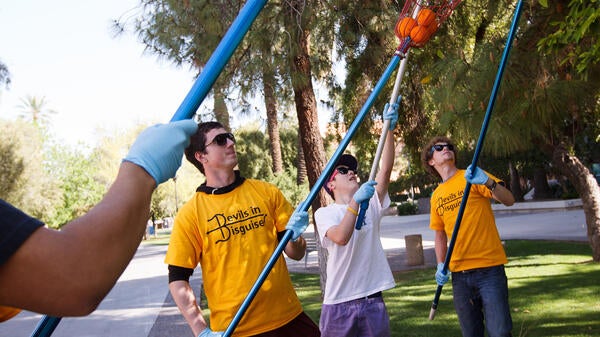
<point x="479" y="281"/>
<point x="231" y="227"/>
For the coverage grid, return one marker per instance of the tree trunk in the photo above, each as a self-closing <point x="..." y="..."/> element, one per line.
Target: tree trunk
<point x="304" y="96"/>
<point x="515" y="182"/>
<point x="301" y="164"/>
<point x="272" y="123"/>
<point x="587" y="188"/>
<point x="297" y="20"/>
<point x="540" y="183"/>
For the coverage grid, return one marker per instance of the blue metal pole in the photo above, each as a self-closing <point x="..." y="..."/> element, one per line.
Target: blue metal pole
<point x="195" y="96"/>
<point x="219" y="59"/>
<point x="478" y="149"/>
<point x="46" y="326"/>
<point x="314" y="191"/>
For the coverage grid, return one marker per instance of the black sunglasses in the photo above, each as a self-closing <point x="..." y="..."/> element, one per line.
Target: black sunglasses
<point x="440" y="147"/>
<point x="344" y="170"/>
<point x="221" y="139"/>
<point x="341" y="170"/>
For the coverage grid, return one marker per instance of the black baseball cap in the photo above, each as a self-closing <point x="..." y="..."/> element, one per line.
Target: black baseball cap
<point x="347" y="160"/>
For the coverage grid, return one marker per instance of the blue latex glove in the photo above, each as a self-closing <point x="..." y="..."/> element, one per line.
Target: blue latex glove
<point x="440" y="277"/>
<point x="159" y="148"/>
<point x="478" y="177"/>
<point x="365" y="191"/>
<point x="297" y="224"/>
<point x="209" y="333"/>
<point x="391" y="115"/>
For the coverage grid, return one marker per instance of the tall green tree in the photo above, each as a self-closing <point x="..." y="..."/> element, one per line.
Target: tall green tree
<point x="185" y="32"/>
<point x="34" y="189"/>
<point x="300" y="17"/>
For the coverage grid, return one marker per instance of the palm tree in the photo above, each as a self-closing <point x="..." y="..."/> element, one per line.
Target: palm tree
<point x="35" y="109"/>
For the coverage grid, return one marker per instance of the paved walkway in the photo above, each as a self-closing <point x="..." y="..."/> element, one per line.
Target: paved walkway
<point x="140" y="304"/>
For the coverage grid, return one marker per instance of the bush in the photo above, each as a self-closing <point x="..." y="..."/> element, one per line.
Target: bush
<point x="407" y="208"/>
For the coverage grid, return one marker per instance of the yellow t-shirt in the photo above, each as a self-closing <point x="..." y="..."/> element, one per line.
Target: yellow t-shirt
<point x="7" y="313"/>
<point x="232" y="236"/>
<point x="477" y="243"/>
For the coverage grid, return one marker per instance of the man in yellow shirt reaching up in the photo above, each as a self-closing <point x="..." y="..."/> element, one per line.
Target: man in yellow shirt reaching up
<point x="479" y="281"/>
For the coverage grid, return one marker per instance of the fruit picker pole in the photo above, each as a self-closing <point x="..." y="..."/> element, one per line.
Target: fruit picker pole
<point x="393" y="104"/>
<point x="404" y="48"/>
<point x="46" y="326"/>
<point x="478" y="149"/>
<point x="403" y="51"/>
<point x="195" y="96"/>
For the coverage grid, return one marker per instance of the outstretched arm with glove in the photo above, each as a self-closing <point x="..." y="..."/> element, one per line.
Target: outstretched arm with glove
<point x="99" y="245"/>
<point x="499" y="192"/>
<point x="388" y="153"/>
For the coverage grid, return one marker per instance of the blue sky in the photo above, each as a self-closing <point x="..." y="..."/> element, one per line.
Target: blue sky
<point x="64" y="51"/>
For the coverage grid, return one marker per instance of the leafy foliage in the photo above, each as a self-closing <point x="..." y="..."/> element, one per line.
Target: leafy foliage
<point x="11" y="168"/>
<point x="75" y="174"/>
<point x="575" y="39"/>
<point x="34" y="190"/>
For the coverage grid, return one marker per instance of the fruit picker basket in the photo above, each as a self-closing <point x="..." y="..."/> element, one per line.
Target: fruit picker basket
<point x="420" y="19"/>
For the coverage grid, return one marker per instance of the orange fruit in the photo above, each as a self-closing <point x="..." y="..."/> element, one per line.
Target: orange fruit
<point x="404" y="26"/>
<point x="421" y="34"/>
<point x="425" y="17"/>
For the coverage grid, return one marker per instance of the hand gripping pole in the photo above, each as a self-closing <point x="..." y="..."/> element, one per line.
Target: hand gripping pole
<point x="393" y="104"/>
<point x="478" y="149"/>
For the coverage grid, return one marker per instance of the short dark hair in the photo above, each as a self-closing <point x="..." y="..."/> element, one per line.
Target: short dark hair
<point x="427" y="154"/>
<point x="198" y="142"/>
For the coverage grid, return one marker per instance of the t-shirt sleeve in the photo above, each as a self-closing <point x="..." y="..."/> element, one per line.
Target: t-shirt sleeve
<point x="283" y="210"/>
<point x="15" y="228"/>
<point x="435" y="221"/>
<point x="325" y="218"/>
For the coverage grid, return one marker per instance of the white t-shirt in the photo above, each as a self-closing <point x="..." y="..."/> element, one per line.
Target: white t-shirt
<point x="359" y="268"/>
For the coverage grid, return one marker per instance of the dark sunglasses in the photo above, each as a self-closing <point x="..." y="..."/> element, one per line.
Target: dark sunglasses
<point x="344" y="170"/>
<point x="341" y="170"/>
<point x="221" y="139"/>
<point x="440" y="147"/>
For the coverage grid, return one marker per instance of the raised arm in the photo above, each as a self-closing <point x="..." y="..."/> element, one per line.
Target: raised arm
<point x="388" y="153"/>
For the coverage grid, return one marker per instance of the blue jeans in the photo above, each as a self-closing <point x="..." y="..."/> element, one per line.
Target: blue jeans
<point x="482" y="295"/>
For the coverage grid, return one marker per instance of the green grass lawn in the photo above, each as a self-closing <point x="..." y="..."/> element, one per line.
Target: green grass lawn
<point x="160" y="238"/>
<point x="554" y="290"/>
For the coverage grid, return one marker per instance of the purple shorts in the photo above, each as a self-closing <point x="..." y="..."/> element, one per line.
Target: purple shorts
<point x="364" y="317"/>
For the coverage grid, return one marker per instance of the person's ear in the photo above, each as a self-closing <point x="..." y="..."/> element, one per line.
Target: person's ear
<point x="200" y="157"/>
<point x="330" y="186"/>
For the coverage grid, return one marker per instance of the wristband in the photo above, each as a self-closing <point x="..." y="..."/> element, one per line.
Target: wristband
<point x="493" y="186"/>
<point x="352" y="210"/>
